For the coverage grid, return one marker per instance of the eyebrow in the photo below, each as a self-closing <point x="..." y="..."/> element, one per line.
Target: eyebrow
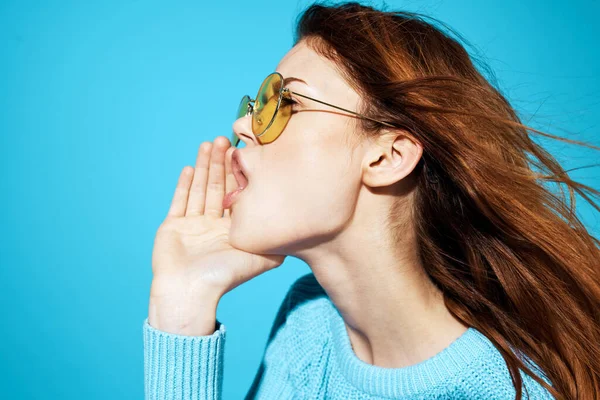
<point x="292" y="79"/>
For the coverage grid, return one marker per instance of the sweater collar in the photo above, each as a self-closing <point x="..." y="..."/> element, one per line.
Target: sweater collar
<point x="406" y="381"/>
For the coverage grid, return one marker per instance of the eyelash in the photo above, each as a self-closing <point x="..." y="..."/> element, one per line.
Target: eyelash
<point x="289" y="100"/>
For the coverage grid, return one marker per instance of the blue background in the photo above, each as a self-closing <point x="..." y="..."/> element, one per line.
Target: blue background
<point x="101" y="106"/>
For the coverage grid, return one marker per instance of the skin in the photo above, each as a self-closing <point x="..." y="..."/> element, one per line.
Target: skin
<point x="315" y="198"/>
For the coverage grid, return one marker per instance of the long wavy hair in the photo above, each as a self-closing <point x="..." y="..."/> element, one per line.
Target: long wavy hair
<point x="510" y="256"/>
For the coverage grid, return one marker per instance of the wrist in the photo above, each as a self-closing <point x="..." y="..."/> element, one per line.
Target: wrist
<point x="177" y="317"/>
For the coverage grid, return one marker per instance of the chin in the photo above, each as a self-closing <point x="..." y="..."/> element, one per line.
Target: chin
<point x="255" y="240"/>
<point x="246" y="238"/>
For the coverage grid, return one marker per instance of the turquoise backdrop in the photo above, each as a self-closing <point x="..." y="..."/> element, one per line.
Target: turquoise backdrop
<point x="103" y="103"/>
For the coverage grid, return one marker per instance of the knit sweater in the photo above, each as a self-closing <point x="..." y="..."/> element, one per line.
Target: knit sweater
<point x="309" y="356"/>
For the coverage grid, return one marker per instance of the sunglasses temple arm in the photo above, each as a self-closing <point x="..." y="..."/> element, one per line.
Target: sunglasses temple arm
<point x="343" y="109"/>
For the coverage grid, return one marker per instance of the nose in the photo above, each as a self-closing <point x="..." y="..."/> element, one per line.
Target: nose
<point x="242" y="127"/>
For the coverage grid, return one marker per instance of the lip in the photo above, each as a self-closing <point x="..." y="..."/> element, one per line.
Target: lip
<point x="238" y="162"/>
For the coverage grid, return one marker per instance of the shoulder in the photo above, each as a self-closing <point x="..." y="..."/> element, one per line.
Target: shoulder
<point x="303" y="296"/>
<point x="308" y="322"/>
<point x="300" y="327"/>
<point x="307" y="302"/>
<point x="488" y="376"/>
<point x="305" y="292"/>
<point x="298" y="335"/>
<point x="302" y="315"/>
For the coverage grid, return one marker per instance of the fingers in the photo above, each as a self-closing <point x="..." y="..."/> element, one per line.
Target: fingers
<point x="200" y="190"/>
<point x="197" y="196"/>
<point x="230" y="181"/>
<point x="215" y="188"/>
<point x="180" y="198"/>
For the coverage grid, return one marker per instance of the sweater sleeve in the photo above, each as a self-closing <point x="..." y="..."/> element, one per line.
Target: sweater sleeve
<point x="183" y="367"/>
<point x="191" y="367"/>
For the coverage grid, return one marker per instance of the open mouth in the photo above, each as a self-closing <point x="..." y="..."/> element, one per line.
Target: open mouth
<point x="241" y="179"/>
<point x="238" y="172"/>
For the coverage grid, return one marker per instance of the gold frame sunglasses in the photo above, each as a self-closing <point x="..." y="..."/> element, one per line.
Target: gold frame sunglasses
<point x="272" y="109"/>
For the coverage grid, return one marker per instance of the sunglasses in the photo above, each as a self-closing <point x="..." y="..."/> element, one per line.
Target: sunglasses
<point x="272" y="109"/>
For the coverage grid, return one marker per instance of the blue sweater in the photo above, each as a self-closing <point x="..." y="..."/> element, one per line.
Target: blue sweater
<point x="309" y="356"/>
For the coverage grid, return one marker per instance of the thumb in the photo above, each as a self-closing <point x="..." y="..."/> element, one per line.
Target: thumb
<point x="261" y="263"/>
<point x="252" y="267"/>
<point x="271" y="261"/>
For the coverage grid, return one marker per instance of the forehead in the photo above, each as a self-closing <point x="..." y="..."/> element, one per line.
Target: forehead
<point x="318" y="72"/>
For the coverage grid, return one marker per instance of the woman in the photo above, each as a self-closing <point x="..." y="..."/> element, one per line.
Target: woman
<point x="441" y="266"/>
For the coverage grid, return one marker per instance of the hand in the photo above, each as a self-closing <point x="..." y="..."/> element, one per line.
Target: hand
<point x="192" y="261"/>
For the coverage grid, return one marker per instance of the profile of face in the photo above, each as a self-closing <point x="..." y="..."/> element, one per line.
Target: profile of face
<point x="303" y="188"/>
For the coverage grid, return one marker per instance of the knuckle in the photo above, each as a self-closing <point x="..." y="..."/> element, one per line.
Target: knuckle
<point x="215" y="186"/>
<point x="196" y="185"/>
<point x="213" y="213"/>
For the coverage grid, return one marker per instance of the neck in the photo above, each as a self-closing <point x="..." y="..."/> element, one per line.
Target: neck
<point x="394" y="314"/>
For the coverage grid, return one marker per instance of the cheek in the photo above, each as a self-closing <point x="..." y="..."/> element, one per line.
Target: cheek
<point x="295" y="196"/>
<point x="312" y="186"/>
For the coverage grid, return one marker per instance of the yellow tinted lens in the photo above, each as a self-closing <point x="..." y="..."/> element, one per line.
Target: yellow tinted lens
<point x="270" y="116"/>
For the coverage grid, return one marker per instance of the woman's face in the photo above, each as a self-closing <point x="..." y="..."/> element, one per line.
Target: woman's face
<point x="302" y="188"/>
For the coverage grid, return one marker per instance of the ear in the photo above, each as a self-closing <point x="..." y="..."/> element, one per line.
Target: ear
<point x="390" y="157"/>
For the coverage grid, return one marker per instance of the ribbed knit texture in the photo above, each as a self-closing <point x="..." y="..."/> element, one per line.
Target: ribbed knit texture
<point x="309" y="356"/>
